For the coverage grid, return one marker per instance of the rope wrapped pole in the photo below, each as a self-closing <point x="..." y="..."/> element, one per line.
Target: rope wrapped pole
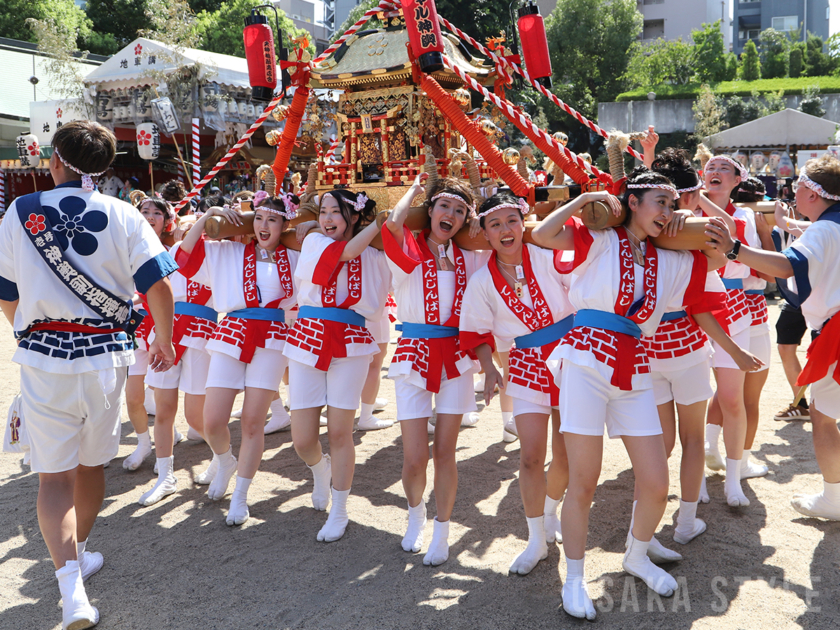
<point x="330" y="155"/>
<point x="447" y="105"/>
<point x="290" y="131"/>
<point x="506" y="67"/>
<point x="571" y="163"/>
<point x="181" y="177"/>
<point x="196" y="152"/>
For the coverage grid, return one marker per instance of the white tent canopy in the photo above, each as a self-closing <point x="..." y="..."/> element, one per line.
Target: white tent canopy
<point x="131" y="66"/>
<point x="782" y="129"/>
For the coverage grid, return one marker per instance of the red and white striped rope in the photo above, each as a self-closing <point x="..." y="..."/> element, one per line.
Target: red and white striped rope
<point x="196" y="152"/>
<point x="385" y="5"/>
<point x="508" y="110"/>
<point x="181" y="177"/>
<point x="330" y="155"/>
<point x="506" y="67"/>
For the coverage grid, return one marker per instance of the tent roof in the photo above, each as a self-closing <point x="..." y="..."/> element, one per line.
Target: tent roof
<point x="789" y="126"/>
<point x="129" y="67"/>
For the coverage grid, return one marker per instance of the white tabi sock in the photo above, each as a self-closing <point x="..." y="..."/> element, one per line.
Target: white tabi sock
<point x="238" y="512"/>
<point x="209" y="473"/>
<point x="553" y="532"/>
<point x="166" y="483"/>
<point x="714" y="460"/>
<point x="75" y="606"/>
<point x="509" y="432"/>
<point x="141" y="452"/>
<point x="636" y="562"/>
<point x="227" y="467"/>
<point x="732" y="484"/>
<point x="689" y="526"/>
<point x="826" y="504"/>
<point x="536" y="550"/>
<point x="750" y="470"/>
<point x="656" y="551"/>
<point x="438" y="552"/>
<point x="413" y="539"/>
<point x="576" y="600"/>
<point x="337" y="521"/>
<point x="322" y="474"/>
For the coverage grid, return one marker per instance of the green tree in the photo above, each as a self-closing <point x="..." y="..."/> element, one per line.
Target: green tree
<point x="775" y="53"/>
<point x="119" y="19"/>
<point x="796" y="60"/>
<point x="221" y="30"/>
<point x="709" y="114"/>
<point x="817" y="62"/>
<point x="709" y="54"/>
<point x="15" y="13"/>
<point x="589" y="41"/>
<point x="660" y="61"/>
<point x="731" y="67"/>
<point x="811" y="102"/>
<point x="750" y="63"/>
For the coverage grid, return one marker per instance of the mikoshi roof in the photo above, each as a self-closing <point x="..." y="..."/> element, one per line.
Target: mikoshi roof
<point x="131" y="67"/>
<point x="381" y="56"/>
<point x="784" y="128"/>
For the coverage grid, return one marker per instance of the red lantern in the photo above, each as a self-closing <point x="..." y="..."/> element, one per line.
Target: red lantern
<point x="259" y="51"/>
<point x="421" y="22"/>
<point x="535" y="44"/>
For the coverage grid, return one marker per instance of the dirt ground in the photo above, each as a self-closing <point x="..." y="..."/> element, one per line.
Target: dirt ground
<point x="177" y="565"/>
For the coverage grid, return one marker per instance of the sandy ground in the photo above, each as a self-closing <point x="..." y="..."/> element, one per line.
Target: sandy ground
<point x="177" y="565"/>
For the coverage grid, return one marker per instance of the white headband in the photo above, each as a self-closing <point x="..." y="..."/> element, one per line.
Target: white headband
<point x="286" y="197"/>
<point x="447" y="195"/>
<point x="87" y="182"/>
<point x="520" y="205"/>
<point x="810" y="183"/>
<point x="361" y="201"/>
<point x="665" y="187"/>
<point x="742" y="172"/>
<point x="682" y="191"/>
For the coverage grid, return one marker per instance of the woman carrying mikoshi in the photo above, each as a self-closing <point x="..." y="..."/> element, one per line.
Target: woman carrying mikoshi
<point x="430" y="277"/>
<point x="521" y="298"/>
<point x="342" y="283"/>
<point x="253" y="284"/>
<point x="623" y="286"/>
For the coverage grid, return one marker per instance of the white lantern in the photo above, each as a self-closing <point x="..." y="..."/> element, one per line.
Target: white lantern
<point x="251" y="111"/>
<point x="29" y="153"/>
<point x="104" y="108"/>
<point x="242" y="106"/>
<point x="148" y="141"/>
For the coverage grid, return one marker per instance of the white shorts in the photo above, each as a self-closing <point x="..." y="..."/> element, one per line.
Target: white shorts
<point x="69" y="420"/>
<point x="521" y="407"/>
<point x="339" y="387"/>
<point x="455" y="397"/>
<point x="141" y="363"/>
<point x="760" y="344"/>
<point x="265" y="371"/>
<point x="684" y="387"/>
<point x="825" y="394"/>
<point x="588" y="402"/>
<point x="721" y="358"/>
<point x="381" y="330"/>
<point x="190" y="375"/>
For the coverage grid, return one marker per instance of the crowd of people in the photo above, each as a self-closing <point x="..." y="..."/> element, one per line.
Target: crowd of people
<point x="577" y="330"/>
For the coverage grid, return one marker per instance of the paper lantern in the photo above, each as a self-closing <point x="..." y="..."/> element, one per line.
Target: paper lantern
<point x="259" y="51"/>
<point x="148" y="141"/>
<point x="104" y="108"/>
<point x="29" y="153"/>
<point x="534" y="44"/>
<point x="421" y="22"/>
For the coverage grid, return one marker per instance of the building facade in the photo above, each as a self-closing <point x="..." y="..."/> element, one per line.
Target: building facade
<point x="753" y="16"/>
<point x="302" y="13"/>
<point x="672" y="19"/>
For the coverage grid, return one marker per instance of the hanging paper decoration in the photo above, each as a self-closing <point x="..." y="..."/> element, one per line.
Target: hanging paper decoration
<point x="165" y="115"/>
<point x="148" y="141"/>
<point x="28" y="150"/>
<point x="421" y="22"/>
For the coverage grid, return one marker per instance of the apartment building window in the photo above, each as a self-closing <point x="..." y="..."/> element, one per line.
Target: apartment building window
<point x="785" y="23"/>
<point x="653" y="29"/>
<point x="748" y="33"/>
<point x="654" y="1"/>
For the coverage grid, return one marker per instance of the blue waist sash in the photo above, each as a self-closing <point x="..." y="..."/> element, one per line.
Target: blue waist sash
<point x="754" y="291"/>
<point x="340" y="315"/>
<point x="607" y="321"/>
<point x="547" y="335"/>
<point x="733" y="283"/>
<point x="668" y="317"/>
<point x="411" y="330"/>
<point x="196" y="310"/>
<point x="264" y="314"/>
<point x="143" y="312"/>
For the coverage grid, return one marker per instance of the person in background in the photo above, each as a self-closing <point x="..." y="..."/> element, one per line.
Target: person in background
<point x="110" y="184"/>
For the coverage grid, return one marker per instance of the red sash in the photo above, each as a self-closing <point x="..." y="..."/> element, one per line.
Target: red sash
<point x="625" y="344"/>
<point x="536" y="318"/>
<point x="333" y="340"/>
<point x="256" y="330"/>
<point x="822" y="352"/>
<point x="443" y="353"/>
<point x="196" y="294"/>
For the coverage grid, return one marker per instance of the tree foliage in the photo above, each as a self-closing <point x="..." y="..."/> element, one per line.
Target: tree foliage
<point x="775" y="52"/>
<point x="15" y="13"/>
<point x="731" y="67"/>
<point x="739" y="110"/>
<point x="797" y="55"/>
<point x="660" y="61"/>
<point x="221" y="30"/>
<point x="817" y="62"/>
<point x="750" y="63"/>
<point x="811" y="102"/>
<point x="709" y="114"/>
<point x="119" y="19"/>
<point x="709" y="54"/>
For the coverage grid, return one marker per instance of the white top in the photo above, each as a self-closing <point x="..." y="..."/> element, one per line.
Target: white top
<point x="814" y="257"/>
<point x="105" y="239"/>
<point x="111" y="186"/>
